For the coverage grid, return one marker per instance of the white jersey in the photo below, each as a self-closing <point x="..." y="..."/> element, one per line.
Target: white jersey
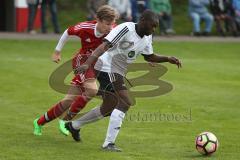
<point x="126" y="46"/>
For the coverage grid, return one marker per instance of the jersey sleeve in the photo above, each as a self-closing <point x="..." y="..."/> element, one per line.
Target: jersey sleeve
<point x="75" y="30"/>
<point x="148" y="50"/>
<point x="117" y="34"/>
<point x="62" y="41"/>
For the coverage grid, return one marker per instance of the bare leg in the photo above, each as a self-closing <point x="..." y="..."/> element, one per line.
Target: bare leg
<point x="90" y="91"/>
<point x="59" y="108"/>
<point x="109" y="103"/>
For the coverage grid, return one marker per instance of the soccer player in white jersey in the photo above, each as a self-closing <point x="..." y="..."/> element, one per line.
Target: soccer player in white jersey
<point x="120" y="48"/>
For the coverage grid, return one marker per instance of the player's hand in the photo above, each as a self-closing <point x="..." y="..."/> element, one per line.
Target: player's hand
<point x="174" y="60"/>
<point x="81" y="69"/>
<point x="56" y="57"/>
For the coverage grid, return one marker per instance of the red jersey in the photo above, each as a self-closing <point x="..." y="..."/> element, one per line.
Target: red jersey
<point x="86" y="31"/>
<point x="90" y="40"/>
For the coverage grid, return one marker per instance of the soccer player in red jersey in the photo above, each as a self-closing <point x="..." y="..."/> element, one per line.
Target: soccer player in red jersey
<point x="83" y="86"/>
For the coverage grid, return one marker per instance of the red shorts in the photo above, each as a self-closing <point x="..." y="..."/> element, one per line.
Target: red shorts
<point x="80" y="78"/>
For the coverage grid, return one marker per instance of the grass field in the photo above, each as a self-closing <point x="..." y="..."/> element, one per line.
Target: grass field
<point x="208" y="85"/>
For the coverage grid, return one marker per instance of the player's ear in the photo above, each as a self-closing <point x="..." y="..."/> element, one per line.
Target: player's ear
<point x="141" y="21"/>
<point x="98" y="20"/>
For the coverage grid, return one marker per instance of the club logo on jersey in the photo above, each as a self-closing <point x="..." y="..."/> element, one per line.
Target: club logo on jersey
<point x="88" y="40"/>
<point x="131" y="54"/>
<point x="125" y="45"/>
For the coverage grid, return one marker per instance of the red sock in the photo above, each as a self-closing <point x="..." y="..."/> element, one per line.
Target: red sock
<point x="79" y="103"/>
<point x="51" y="114"/>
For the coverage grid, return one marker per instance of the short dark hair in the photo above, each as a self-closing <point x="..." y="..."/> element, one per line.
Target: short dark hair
<point x="149" y="15"/>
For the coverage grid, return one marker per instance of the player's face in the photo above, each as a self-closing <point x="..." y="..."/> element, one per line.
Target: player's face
<point x="104" y="26"/>
<point x="149" y="28"/>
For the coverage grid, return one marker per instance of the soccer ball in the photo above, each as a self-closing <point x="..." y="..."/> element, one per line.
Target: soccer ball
<point x="206" y="143"/>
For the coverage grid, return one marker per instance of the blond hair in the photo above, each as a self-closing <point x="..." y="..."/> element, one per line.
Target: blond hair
<point x="107" y="13"/>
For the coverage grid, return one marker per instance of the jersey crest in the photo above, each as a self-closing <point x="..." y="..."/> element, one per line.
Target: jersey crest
<point x="88" y="40"/>
<point x="131" y="54"/>
<point x="125" y="45"/>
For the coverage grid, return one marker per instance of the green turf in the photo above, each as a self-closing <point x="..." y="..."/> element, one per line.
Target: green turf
<point x="208" y="85"/>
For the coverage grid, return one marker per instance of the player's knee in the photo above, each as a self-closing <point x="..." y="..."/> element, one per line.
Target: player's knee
<point x="129" y="103"/>
<point x="123" y="108"/>
<point x="90" y="93"/>
<point x="107" y="114"/>
<point x="67" y="100"/>
<point x="125" y="102"/>
<point x="106" y="111"/>
<point x="66" y="103"/>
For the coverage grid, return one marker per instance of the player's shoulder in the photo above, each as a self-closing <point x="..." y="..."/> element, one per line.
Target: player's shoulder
<point x="128" y="25"/>
<point x="94" y="22"/>
<point x="87" y="25"/>
<point x="148" y="38"/>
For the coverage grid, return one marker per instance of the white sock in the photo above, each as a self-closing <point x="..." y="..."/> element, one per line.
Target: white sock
<point x="89" y="117"/>
<point x="114" y="126"/>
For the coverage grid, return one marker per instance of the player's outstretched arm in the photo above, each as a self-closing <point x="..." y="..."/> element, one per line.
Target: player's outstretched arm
<point x="56" y="56"/>
<point x="160" y="59"/>
<point x="93" y="58"/>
